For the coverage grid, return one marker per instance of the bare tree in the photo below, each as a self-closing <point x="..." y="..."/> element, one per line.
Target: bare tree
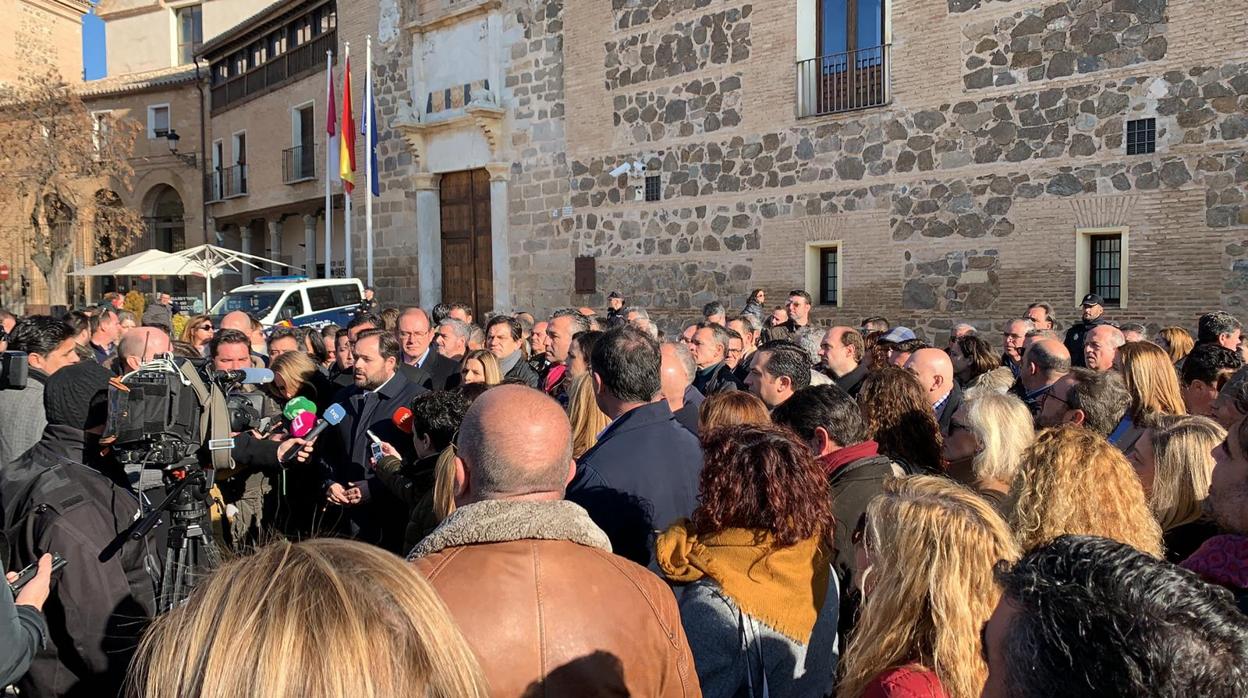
<point x="60" y="167"/>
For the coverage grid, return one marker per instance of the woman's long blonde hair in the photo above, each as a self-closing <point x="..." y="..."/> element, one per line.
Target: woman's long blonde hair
<point x="587" y="420"/>
<point x="1183" y="467"/>
<point x="1003" y="426"/>
<point x="1151" y="380"/>
<point x="932" y="546"/>
<point x="323" y="617"/>
<point x="188" y="330"/>
<point x="489" y="365"/>
<point x="296" y="369"/>
<point x="1179" y="342"/>
<point x="1073" y="481"/>
<point x="444" y="484"/>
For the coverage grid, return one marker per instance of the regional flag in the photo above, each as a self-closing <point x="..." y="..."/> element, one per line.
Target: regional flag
<point x="331" y="125"/>
<point x="346" y="151"/>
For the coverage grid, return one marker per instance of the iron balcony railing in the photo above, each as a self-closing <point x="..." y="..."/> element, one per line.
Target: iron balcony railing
<point x="298" y="164"/>
<point x="843" y="82"/>
<point x="226" y="183"/>
<point x="298" y="62"/>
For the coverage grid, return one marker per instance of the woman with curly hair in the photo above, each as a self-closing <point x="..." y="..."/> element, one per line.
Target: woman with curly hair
<point x="725" y="409"/>
<point x="760" y="601"/>
<point x="260" y="626"/>
<point x="1177" y="343"/>
<point x="1073" y="481"/>
<point x="972" y="357"/>
<point x="1174" y="460"/>
<point x="1154" y="387"/>
<point x="875" y="351"/>
<point x="899" y="418"/>
<point x="929" y="547"/>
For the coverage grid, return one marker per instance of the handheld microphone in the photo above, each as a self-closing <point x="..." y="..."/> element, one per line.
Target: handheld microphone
<point x="333" y="415"/>
<point x="296" y="405"/>
<point x="403" y="420"/>
<point x="302" y="424"/>
<point x="245" y="376"/>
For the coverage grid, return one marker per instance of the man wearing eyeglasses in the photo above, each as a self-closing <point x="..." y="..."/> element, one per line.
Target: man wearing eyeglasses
<point x="1014" y="336"/>
<point x="1095" y="401"/>
<point x="1044" y="364"/>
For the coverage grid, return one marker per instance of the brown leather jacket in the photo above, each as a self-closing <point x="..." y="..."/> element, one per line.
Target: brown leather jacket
<point x="548" y="609"/>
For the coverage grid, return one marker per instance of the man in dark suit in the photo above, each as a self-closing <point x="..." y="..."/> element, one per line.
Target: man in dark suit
<point x="935" y="372"/>
<point x="642" y="475"/>
<point x="503" y="338"/>
<point x="369" y="511"/>
<point x="420" y="363"/>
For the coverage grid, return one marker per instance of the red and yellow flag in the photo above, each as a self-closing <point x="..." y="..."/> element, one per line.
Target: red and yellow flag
<point x="346" y="144"/>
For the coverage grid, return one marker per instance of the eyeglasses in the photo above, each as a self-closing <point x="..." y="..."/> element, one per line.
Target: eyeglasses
<point x="204" y="327"/>
<point x="1051" y="395"/>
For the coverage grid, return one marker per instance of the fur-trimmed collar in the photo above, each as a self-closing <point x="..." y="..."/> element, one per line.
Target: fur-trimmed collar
<point x="500" y="521"/>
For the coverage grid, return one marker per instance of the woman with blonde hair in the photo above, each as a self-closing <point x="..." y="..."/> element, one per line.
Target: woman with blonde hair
<point x="587" y="420"/>
<point x="480" y="366"/>
<point x="198" y="333"/>
<point x="1154" y="388"/>
<point x="1073" y="481"/>
<point x="1177" y="343"/>
<point x="308" y="619"/>
<point x="919" y="630"/>
<point x="987" y="437"/>
<point x="1174" y="461"/>
<point x="726" y="409"/>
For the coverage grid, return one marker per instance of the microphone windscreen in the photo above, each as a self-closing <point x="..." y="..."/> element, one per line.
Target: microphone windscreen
<point x="403" y="420"/>
<point x="335" y="414"/>
<point x="297" y="405"/>
<point x="302" y="424"/>
<point x="254" y="376"/>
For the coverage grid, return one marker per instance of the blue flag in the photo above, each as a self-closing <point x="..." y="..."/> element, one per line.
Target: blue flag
<point x="370" y="132"/>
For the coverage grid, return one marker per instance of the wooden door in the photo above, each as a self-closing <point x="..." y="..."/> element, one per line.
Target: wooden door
<point x="467" y="261"/>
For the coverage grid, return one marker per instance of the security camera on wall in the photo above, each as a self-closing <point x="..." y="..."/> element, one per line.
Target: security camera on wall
<point x="622" y="169"/>
<point x="639" y="168"/>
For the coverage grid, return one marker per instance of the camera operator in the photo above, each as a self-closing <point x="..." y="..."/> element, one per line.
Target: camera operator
<point x="7" y="322"/>
<point x="23" y="629"/>
<point x="49" y="344"/>
<point x="139" y="346"/>
<point x="66" y="495"/>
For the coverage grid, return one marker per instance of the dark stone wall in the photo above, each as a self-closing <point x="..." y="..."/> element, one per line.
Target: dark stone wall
<point x="717" y="39"/>
<point x="1064" y="39"/>
<point x="694" y="108"/>
<point x="634" y="13"/>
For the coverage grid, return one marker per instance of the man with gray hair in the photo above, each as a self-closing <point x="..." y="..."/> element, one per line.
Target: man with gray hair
<point x="715" y="312"/>
<point x="452" y="339"/>
<point x="809" y="338"/>
<point x="639" y="318"/>
<point x="512" y="532"/>
<point x="709" y="345"/>
<point x="564" y="324"/>
<point x="1044" y="363"/>
<point x="1014" y="336"/>
<point x="676" y="372"/>
<point x="1100" y="347"/>
<point x="750" y="327"/>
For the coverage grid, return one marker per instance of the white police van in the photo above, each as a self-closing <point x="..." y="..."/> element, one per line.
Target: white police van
<point x="295" y="299"/>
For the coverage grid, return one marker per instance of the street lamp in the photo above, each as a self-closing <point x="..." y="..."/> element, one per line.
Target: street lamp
<point x="172" y="137"/>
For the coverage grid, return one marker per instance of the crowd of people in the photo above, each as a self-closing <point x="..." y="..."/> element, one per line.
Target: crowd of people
<point x="584" y="504"/>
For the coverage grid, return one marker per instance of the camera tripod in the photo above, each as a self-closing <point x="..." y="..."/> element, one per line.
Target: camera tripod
<point x="190" y="554"/>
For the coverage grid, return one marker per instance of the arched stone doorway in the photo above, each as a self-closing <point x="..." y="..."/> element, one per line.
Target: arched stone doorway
<point x="166" y="223"/>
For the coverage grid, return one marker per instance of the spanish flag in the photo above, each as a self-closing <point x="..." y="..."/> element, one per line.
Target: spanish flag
<point x="346" y="146"/>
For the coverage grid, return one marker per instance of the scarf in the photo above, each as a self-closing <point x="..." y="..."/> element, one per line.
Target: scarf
<point x="783" y="588"/>
<point x="837" y="459"/>
<point x="554" y="376"/>
<point x="509" y="362"/>
<point x="1222" y="560"/>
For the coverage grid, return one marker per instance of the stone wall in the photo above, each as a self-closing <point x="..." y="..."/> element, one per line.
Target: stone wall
<point x="630" y="14"/>
<point x="691" y="109"/>
<point x="720" y="38"/>
<point x="1063" y="39"/>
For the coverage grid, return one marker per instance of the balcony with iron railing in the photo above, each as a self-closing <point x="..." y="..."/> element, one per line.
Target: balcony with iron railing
<point x="299" y="164"/>
<point x="298" y="62"/>
<point x="842" y="82"/>
<point x="226" y="183"/>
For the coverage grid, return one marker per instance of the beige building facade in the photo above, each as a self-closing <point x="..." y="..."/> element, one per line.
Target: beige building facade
<point x="41" y="34"/>
<point x="932" y="161"/>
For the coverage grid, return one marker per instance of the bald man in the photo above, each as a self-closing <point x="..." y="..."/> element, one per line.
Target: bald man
<point x="238" y="320"/>
<point x="935" y="372"/>
<point x="140" y="345"/>
<point x="1044" y="363"/>
<point x="677" y="370"/>
<point x="513" y="532"/>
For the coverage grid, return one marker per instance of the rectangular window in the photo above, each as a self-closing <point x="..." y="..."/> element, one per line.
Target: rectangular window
<point x="1141" y="136"/>
<point x="844" y="59"/>
<point x="829" y="271"/>
<point x="100" y="125"/>
<point x="321" y="298"/>
<point x="190" y="23"/>
<point x="157" y="120"/>
<point x="1106" y="268"/>
<point x="347" y="294"/>
<point x="654" y="187"/>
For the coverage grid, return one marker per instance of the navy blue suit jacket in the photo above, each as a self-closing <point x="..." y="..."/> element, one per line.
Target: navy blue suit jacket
<point x="639" y="478"/>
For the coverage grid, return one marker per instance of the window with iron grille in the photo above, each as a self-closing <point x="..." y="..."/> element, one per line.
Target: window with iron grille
<point x="829" y="270"/>
<point x="654" y="187"/>
<point x="1106" y="268"/>
<point x="1141" y="136"/>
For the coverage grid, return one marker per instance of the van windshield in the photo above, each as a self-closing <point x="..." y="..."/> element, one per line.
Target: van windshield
<point x="258" y="303"/>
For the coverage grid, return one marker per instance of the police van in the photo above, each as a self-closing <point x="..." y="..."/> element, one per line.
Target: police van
<point x="297" y="300"/>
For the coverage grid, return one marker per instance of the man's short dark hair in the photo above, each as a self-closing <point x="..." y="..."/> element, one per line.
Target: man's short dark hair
<point x="802" y="294"/>
<point x="438" y="415"/>
<point x="826" y="406"/>
<point x="627" y="360"/>
<point x="440" y="312"/>
<point x="364" y="319"/>
<point x="1103" y="397"/>
<point x="98" y="318"/>
<point x="40" y="334"/>
<point x="1098" y="617"/>
<point x="1048" y="362"/>
<point x="712" y="309"/>
<point x="719" y="334"/>
<point x="1214" y="325"/>
<point x="1133" y="327"/>
<point x="287" y="333"/>
<point x="875" y="323"/>
<point x="459" y="306"/>
<point x="787" y="359"/>
<point x="227" y="337"/>
<point x="1210" y="363"/>
<point x="343" y="332"/>
<point x="853" y="338"/>
<point x="513" y="325"/>
<point x="78" y="320"/>
<point x="909" y="345"/>
<point x="387" y="344"/>
<point x="1048" y="309"/>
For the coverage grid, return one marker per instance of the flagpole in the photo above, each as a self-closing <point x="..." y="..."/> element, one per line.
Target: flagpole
<point x="347" y="132"/>
<point x="368" y="165"/>
<point x="329" y="194"/>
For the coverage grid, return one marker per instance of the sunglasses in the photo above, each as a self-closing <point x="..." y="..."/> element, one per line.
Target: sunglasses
<point x="204" y="327"/>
